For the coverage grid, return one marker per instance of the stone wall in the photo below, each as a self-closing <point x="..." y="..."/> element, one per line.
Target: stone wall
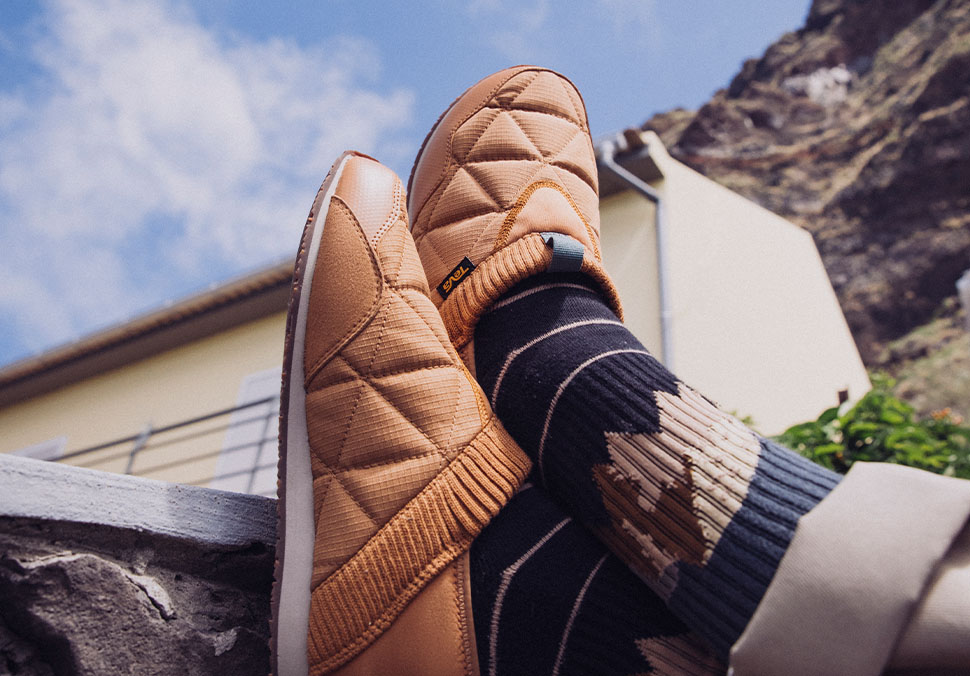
<point x="108" y="574"/>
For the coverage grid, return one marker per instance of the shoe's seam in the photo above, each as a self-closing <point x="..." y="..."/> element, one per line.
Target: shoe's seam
<point x="423" y="290"/>
<point x="393" y="217"/>
<point x="381" y="374"/>
<point x="461" y="610"/>
<point x="434" y="250"/>
<point x="339" y="204"/>
<point x="382" y="331"/>
<point x="449" y="437"/>
<point x="483" y="233"/>
<point x="524" y="197"/>
<point x="505" y="159"/>
<point x="497" y="113"/>
<point x="535" y="76"/>
<point x="467" y="215"/>
<point x="499" y="203"/>
<point x="483" y="410"/>
<point x="391" y="279"/>
<point x="581" y="175"/>
<point x="386" y="463"/>
<point x="564" y="83"/>
<point x="542" y="164"/>
<point x="541" y="112"/>
<point x="589" y="228"/>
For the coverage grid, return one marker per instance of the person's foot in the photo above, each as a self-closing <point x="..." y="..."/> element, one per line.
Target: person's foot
<point x="391" y="461"/>
<point x="503" y="188"/>
<point x="699" y="506"/>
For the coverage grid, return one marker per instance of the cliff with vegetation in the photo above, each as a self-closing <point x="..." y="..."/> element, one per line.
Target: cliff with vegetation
<point x="857" y="128"/>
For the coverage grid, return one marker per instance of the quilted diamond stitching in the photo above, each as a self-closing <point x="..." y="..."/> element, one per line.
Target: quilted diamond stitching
<point x="458" y="180"/>
<point x="551" y="161"/>
<point x="498" y="212"/>
<point x="503" y="175"/>
<point x="367" y="379"/>
<point x="502" y="119"/>
<point x="346" y="433"/>
<point x="446" y="346"/>
<point x="350" y="494"/>
<point x="547" y="77"/>
<point x="441" y="340"/>
<point x="507" y="94"/>
<point x="459" y="163"/>
<point x="545" y="152"/>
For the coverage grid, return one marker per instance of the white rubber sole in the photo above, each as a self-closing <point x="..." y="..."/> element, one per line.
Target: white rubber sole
<point x="292" y="615"/>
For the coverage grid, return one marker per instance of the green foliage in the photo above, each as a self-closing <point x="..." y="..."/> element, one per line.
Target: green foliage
<point x="882" y="428"/>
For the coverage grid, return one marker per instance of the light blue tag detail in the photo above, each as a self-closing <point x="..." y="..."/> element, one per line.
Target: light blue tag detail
<point x="567" y="253"/>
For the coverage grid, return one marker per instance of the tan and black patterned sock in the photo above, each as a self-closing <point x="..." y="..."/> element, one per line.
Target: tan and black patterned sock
<point x="698" y="505"/>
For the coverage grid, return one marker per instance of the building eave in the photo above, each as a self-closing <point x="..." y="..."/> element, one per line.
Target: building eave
<point x="634" y="150"/>
<point x="236" y="302"/>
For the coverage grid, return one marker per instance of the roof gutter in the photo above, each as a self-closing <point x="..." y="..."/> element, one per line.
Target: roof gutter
<point x="606" y="154"/>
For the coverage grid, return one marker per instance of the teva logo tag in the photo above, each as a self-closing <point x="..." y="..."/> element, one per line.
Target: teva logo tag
<point x="455" y="277"/>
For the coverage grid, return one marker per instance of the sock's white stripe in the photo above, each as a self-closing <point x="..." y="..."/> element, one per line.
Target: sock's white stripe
<point x="562" y="386"/>
<point x="503" y="589"/>
<point x="535" y="341"/>
<point x="536" y="289"/>
<point x="573" y="614"/>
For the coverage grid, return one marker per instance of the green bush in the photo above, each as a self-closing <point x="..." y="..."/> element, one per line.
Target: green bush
<point x="882" y="428"/>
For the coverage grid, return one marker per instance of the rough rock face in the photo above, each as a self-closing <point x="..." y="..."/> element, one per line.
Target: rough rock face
<point x="111" y="574"/>
<point x="86" y="599"/>
<point x="857" y="128"/>
<point x="931" y="364"/>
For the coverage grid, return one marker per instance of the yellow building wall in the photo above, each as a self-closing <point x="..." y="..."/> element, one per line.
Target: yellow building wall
<point x="755" y="323"/>
<point x="170" y="387"/>
<point x="628" y="237"/>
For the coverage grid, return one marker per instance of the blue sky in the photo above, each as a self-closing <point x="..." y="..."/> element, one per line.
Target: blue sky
<point x="150" y="148"/>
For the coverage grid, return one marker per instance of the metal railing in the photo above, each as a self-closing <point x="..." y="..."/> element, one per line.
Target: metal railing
<point x="238" y="442"/>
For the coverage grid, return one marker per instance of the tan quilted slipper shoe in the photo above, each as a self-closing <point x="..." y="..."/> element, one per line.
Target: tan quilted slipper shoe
<point x="391" y="460"/>
<point x="506" y="167"/>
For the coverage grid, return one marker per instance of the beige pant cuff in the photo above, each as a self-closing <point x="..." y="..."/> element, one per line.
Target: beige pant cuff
<point x="862" y="567"/>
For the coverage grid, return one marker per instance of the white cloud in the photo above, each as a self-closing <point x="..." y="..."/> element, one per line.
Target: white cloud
<point x="156" y="153"/>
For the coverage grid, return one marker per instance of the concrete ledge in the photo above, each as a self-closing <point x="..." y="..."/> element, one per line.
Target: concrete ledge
<point x="36" y="489"/>
<point x="103" y="573"/>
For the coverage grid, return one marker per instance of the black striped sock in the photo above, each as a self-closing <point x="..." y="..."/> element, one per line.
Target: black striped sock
<point x="548" y="598"/>
<point x="700" y="507"/>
